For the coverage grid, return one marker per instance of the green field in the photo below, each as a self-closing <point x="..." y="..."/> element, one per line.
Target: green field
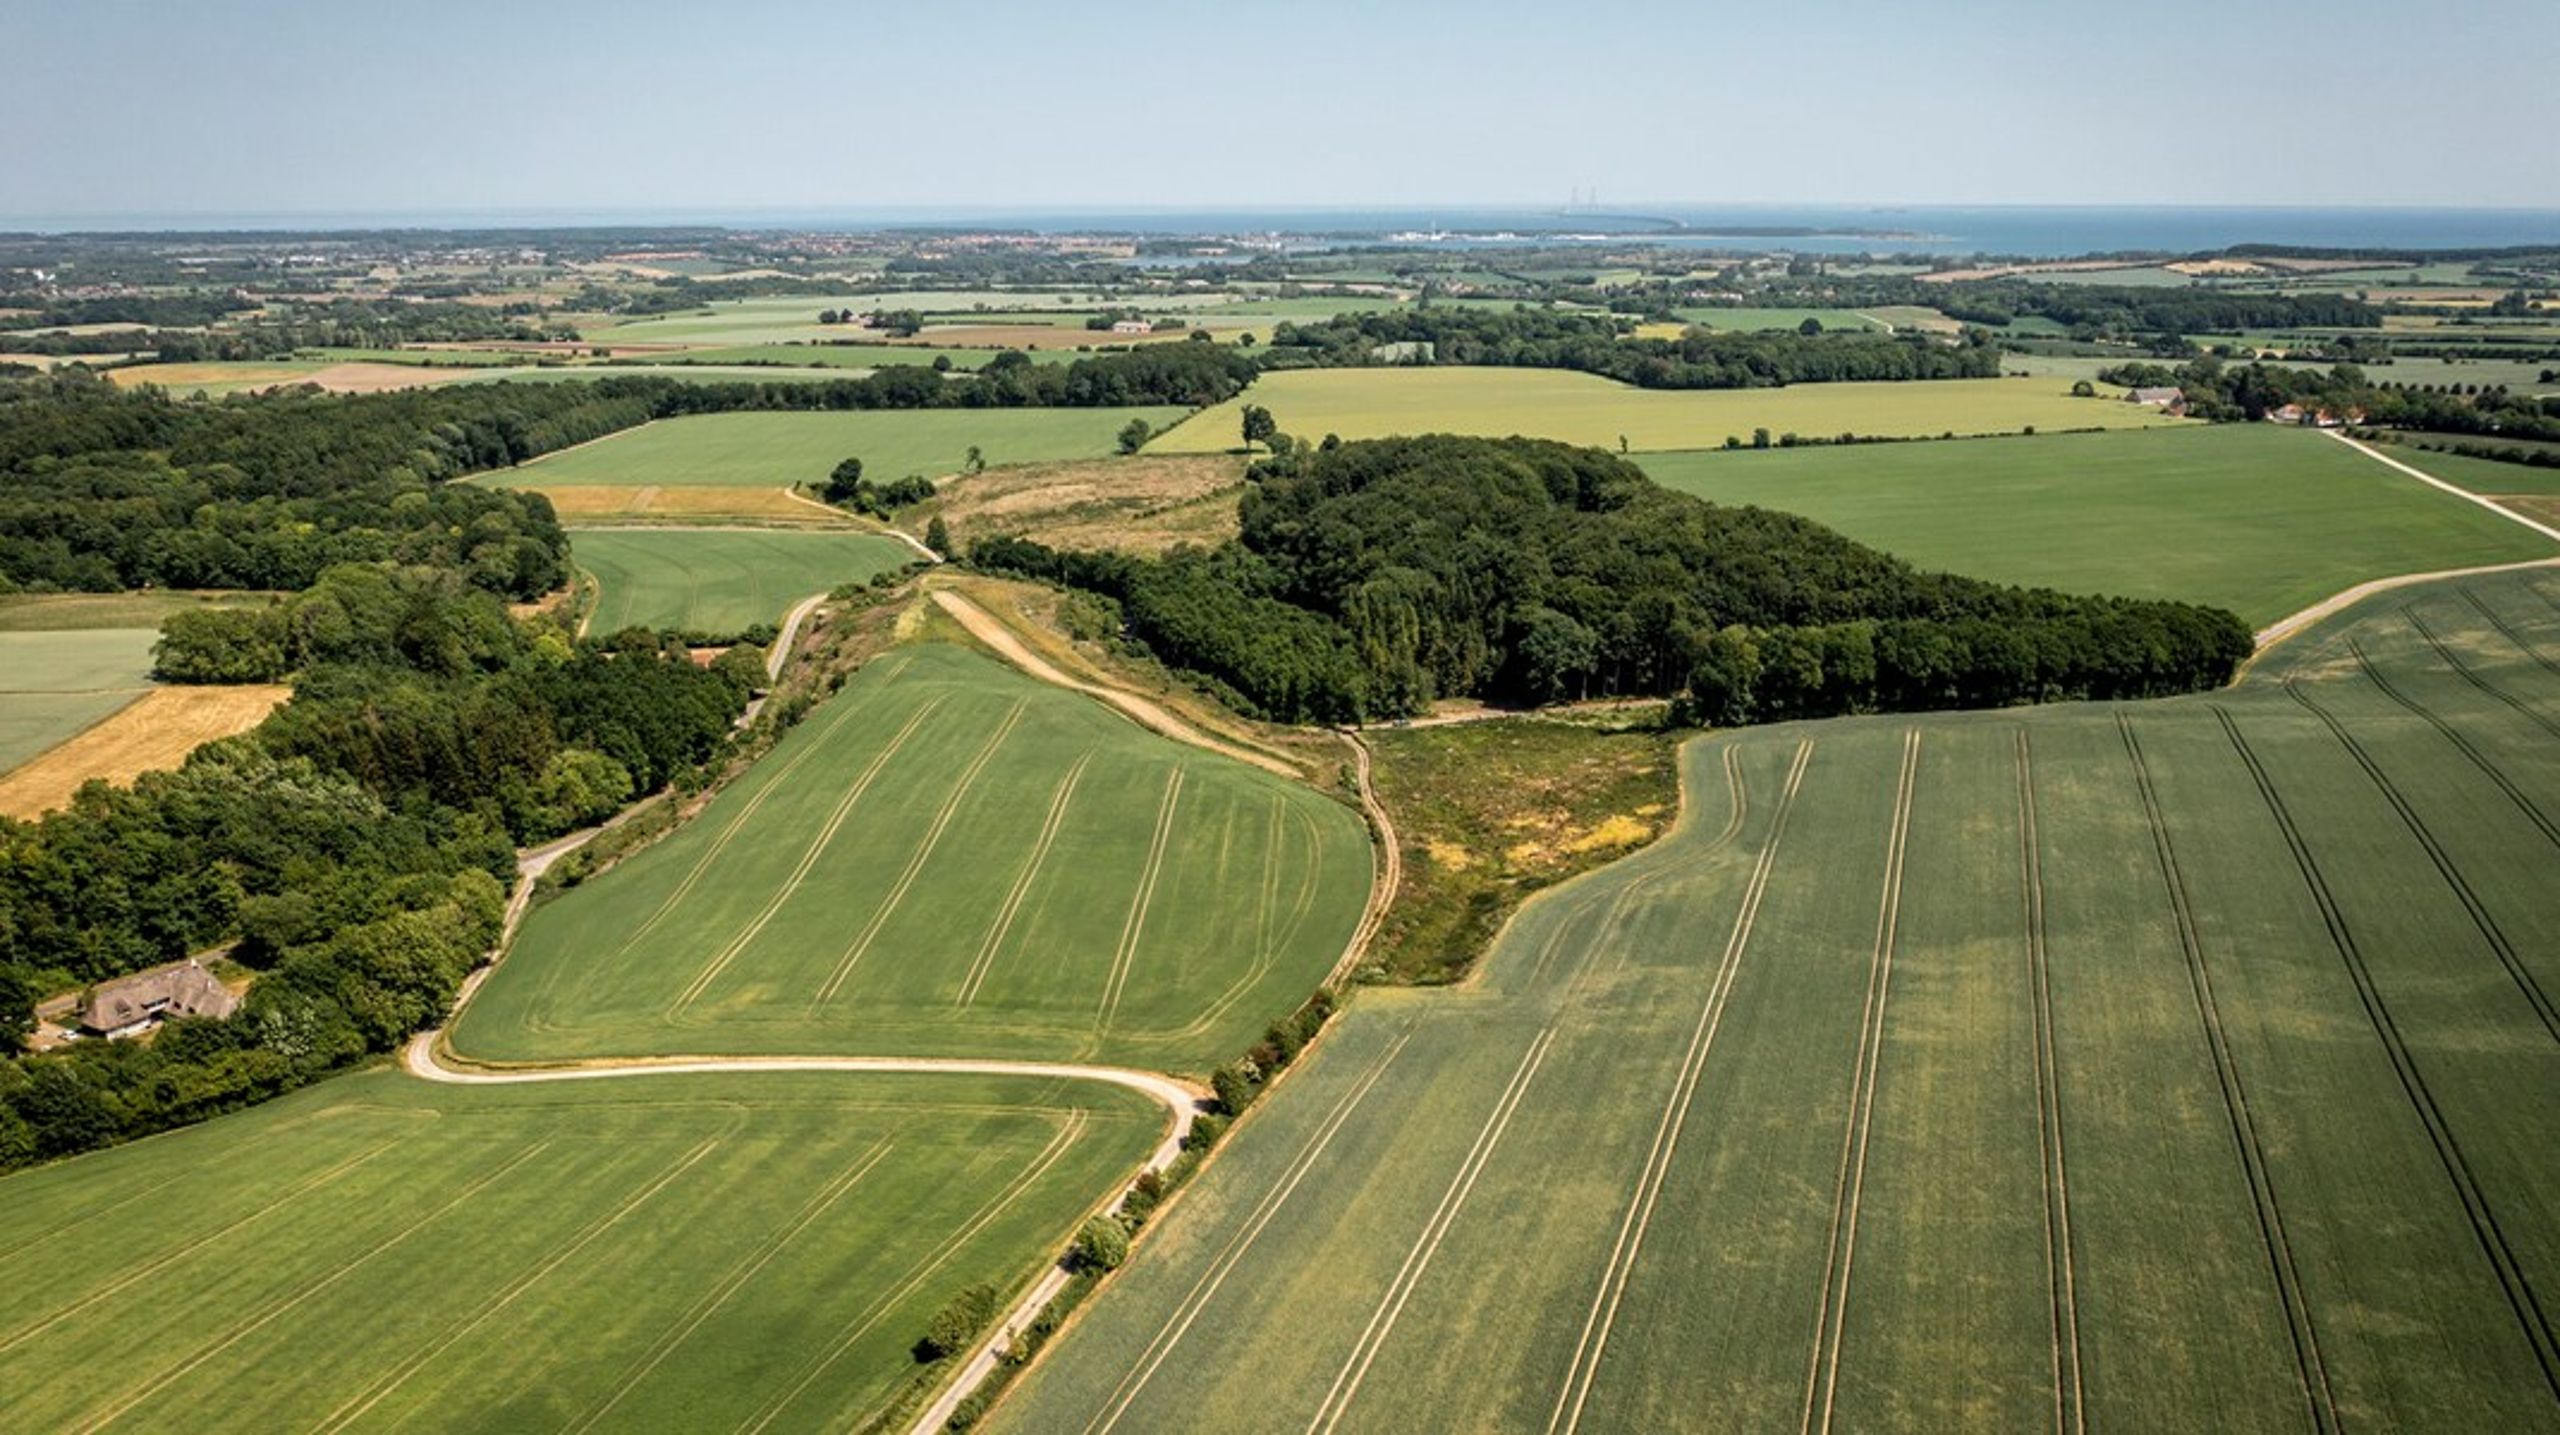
<point x="2188" y="1065"/>
<point x="775" y="449"/>
<point x="54" y="684"/>
<point x="2259" y="519"/>
<point x="144" y="608"/>
<point x="950" y="859"/>
<point x="667" y="1254"/>
<point x="1586" y="409"/>
<point x="720" y="581"/>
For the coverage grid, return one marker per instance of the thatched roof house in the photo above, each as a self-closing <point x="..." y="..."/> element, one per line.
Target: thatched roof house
<point x="145" y="999"/>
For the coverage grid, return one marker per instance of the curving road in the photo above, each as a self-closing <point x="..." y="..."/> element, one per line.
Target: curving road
<point x="2293" y="623"/>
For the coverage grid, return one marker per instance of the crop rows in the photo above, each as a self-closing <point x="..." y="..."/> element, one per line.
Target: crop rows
<point x="2188" y="1065"/>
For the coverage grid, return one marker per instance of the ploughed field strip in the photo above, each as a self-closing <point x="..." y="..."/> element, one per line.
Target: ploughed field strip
<point x="678" y="1253"/>
<point x="949" y="859"/>
<point x="2183" y="1065"/>
<point x="722" y="582"/>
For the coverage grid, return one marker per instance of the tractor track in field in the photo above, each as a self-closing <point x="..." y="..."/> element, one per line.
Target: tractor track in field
<point x="1831" y="1318"/>
<point x="2310" y="1366"/>
<point x="2532" y="1321"/>
<point x="1417" y="1260"/>
<point x="426" y="1056"/>
<point x="1059" y="801"/>
<point x="2070" y="1405"/>
<point x="897" y="894"/>
<point x="2490" y="931"/>
<point x="1239" y="1244"/>
<point x="2445" y="654"/>
<point x="2541" y="659"/>
<point x="836" y="819"/>
<point x="2461" y="744"/>
<point x="1592" y="1344"/>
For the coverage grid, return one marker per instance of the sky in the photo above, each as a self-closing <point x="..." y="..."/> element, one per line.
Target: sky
<point x="351" y="107"/>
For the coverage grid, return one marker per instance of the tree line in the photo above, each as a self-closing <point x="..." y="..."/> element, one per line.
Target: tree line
<point x="1371" y="578"/>
<point x="2248" y="392"/>
<point x="104" y="489"/>
<point x="1598" y="343"/>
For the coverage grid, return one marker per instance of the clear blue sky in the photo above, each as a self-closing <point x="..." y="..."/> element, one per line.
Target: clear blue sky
<point x="357" y="106"/>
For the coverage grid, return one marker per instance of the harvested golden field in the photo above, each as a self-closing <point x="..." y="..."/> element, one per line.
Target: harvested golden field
<point x="150" y="735"/>
<point x="653" y="502"/>
<point x="1140" y="505"/>
<point x="228" y="375"/>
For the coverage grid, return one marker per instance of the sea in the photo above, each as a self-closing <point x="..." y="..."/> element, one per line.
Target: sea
<point x="2043" y="231"/>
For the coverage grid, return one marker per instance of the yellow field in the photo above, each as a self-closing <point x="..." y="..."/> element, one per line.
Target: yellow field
<point x="152" y="734"/>
<point x="1584" y="409"/>
<point x="213" y="373"/>
<point x="589" y="502"/>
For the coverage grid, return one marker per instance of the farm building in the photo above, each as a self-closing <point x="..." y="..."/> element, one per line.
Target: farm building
<point x="145" y="999"/>
<point x="2170" y="400"/>
<point x="2315" y="418"/>
<point x="1132" y="326"/>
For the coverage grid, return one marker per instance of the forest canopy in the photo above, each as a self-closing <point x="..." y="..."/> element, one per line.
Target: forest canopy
<point x="1372" y="578"/>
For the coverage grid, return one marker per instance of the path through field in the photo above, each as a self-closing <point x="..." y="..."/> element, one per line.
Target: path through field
<point x="2186" y="1065"/>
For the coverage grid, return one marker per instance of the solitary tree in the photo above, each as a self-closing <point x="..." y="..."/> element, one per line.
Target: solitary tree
<point x="976" y="462"/>
<point x="937" y="536"/>
<point x="1810" y="327"/>
<point x="845" y="481"/>
<point x="1259" y="425"/>
<point x="2083" y="389"/>
<point x="1134" y="435"/>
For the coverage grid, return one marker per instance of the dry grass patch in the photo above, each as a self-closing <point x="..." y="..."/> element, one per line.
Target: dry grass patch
<point x="1140" y="505"/>
<point x="1490" y="812"/>
<point x="152" y="734"/>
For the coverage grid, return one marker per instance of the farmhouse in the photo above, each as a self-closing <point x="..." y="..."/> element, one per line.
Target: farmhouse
<point x="1132" y="326"/>
<point x="143" y="1000"/>
<point x="2167" y="400"/>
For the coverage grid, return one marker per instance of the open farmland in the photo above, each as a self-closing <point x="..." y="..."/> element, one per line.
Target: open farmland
<point x="1586" y="409"/>
<point x="795" y="317"/>
<point x="950" y="859"/>
<point x="55" y="683"/>
<point x="2188" y="1065"/>
<point x="2259" y="519"/>
<point x="671" y="1253"/>
<point x="779" y="449"/>
<point x="720" y="581"/>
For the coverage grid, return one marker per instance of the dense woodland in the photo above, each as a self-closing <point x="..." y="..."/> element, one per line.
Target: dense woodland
<point x="1371" y="578"/>
<point x="1596" y="343"/>
<point x="356" y="846"/>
